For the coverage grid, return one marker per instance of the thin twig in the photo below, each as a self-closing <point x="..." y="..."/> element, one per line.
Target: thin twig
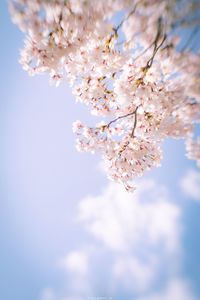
<point x="121" y="117"/>
<point x="150" y="61"/>
<point x="135" y="123"/>
<point x="156" y="46"/>
<point x="132" y="135"/>
<point x="143" y="52"/>
<point x="128" y="16"/>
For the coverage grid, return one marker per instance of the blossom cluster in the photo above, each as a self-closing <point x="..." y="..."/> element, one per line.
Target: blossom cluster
<point x="121" y="60"/>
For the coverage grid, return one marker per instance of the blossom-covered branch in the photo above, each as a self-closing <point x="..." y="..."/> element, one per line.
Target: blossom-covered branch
<point x="122" y="61"/>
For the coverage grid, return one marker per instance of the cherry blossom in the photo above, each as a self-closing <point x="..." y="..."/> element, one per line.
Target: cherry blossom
<point x="125" y="61"/>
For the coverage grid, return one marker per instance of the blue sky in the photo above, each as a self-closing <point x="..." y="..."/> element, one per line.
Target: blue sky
<point x="51" y="236"/>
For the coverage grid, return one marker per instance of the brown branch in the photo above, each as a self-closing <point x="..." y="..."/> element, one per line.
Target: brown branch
<point x="121" y="117"/>
<point x="150" y="62"/>
<point x="127" y="17"/>
<point x="144" y="51"/>
<point x="132" y="135"/>
<point x="156" y="48"/>
<point x="135" y="123"/>
<point x="115" y="29"/>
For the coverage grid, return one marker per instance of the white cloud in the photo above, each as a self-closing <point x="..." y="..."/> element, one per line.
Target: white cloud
<point x="48" y="294"/>
<point x="142" y="230"/>
<point x="75" y="261"/>
<point x="176" y="289"/>
<point x="190" y="184"/>
<point x="124" y="221"/>
<point x="134" y="240"/>
<point x="133" y="273"/>
<point x="77" y="282"/>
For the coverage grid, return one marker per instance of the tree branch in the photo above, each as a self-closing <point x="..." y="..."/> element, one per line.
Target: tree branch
<point x="121" y="117"/>
<point x="128" y="16"/>
<point x="135" y="122"/>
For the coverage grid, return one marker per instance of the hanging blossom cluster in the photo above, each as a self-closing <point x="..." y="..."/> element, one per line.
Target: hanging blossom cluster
<point x="121" y="58"/>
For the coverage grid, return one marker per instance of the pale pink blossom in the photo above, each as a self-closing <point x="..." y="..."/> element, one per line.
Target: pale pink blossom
<point x="127" y="72"/>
